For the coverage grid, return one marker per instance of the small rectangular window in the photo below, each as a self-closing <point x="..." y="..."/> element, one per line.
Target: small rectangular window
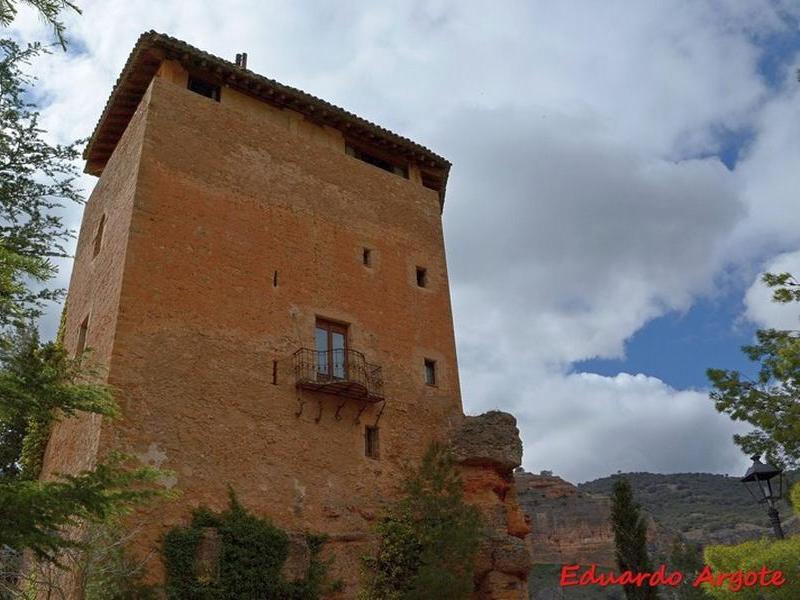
<point x="209" y="90"/>
<point x="430" y="371"/>
<point x="422" y="277"/>
<point x="98" y="236"/>
<point x="375" y="161"/>
<point x="371" y="442"/>
<point x="366" y="257"/>
<point x="82" y="332"/>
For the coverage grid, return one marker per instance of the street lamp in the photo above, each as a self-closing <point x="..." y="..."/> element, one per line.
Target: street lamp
<point x="758" y="481"/>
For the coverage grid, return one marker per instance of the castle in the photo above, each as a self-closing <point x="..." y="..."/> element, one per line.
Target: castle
<point x="262" y="275"/>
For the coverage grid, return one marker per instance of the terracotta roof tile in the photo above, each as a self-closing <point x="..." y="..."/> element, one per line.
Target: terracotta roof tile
<point x="152" y="48"/>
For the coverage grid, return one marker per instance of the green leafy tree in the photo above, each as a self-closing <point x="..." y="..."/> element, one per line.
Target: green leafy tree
<point x="36" y="178"/>
<point x="686" y="558"/>
<point x="771" y="401"/>
<point x="40" y="382"/>
<point x="428" y="539"/>
<point x="783" y="555"/>
<point x="630" y="538"/>
<point x="35" y="513"/>
<point x="49" y="10"/>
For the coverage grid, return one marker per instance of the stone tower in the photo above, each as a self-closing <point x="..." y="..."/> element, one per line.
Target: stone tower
<point x="262" y="275"/>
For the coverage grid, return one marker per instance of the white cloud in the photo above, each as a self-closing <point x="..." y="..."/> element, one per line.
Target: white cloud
<point x="594" y="424"/>
<point x="758" y="300"/>
<point x="577" y="209"/>
<point x="576" y="240"/>
<point x="769" y="177"/>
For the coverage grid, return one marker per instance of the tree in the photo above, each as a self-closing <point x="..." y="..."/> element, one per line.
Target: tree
<point x="49" y="10"/>
<point x="428" y="539"/>
<point x="771" y="401"/>
<point x="630" y="538"/>
<point x="35" y="178"/>
<point x="35" y="513"/>
<point x="686" y="558"/>
<point x="40" y="382"/>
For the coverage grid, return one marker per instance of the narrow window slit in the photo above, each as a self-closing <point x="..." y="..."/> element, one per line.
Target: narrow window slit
<point x="430" y="371"/>
<point x="422" y="277"/>
<point x="275" y="279"/>
<point x="367" y="257"/>
<point x="371" y="442"/>
<point x="82" y="333"/>
<point x="98" y="236"/>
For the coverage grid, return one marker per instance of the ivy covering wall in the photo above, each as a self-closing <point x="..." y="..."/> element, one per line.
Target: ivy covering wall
<point x="248" y="561"/>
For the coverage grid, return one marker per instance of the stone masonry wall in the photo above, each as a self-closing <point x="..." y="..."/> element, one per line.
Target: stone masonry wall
<point x="231" y="227"/>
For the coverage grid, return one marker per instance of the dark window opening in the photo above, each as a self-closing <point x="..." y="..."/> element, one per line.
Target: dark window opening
<point x="330" y="343"/>
<point x="431" y="182"/>
<point x="209" y="90"/>
<point x="275" y="279"/>
<point x="82" y="333"/>
<point x="422" y="277"/>
<point x="430" y="371"/>
<point x="371" y="442"/>
<point x="98" y="236"/>
<point x="274" y="372"/>
<point x="401" y="170"/>
<point x="366" y="257"/>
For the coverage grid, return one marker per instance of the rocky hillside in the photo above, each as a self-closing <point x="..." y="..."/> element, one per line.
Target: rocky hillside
<point x="702" y="507"/>
<point x="570" y="524"/>
<point x="567" y="525"/>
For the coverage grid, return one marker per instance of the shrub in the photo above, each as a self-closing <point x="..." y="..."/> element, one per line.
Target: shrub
<point x="251" y="554"/>
<point x="428" y="539"/>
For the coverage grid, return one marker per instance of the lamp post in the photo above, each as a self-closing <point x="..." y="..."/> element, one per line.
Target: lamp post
<point x="758" y="481"/>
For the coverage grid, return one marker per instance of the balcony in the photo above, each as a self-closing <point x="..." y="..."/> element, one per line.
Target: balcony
<point x="339" y="372"/>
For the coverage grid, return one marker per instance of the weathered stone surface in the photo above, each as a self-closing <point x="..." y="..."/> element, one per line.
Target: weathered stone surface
<point x="488" y="448"/>
<point x="298" y="559"/>
<point x="510" y="555"/>
<point x="489" y="439"/>
<point x="207" y="555"/>
<point x="502" y="586"/>
<point x="569" y="526"/>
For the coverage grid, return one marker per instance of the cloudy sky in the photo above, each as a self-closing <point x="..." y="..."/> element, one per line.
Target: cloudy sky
<point x="623" y="171"/>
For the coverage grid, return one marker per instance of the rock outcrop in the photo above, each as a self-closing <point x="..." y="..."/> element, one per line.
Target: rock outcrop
<point x="569" y="526"/>
<point x="572" y="526"/>
<point x="488" y="448"/>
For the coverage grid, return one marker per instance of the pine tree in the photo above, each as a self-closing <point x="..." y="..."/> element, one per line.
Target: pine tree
<point x="771" y="401"/>
<point x="630" y="538"/>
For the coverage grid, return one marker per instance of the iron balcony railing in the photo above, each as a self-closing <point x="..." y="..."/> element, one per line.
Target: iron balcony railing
<point x="342" y="372"/>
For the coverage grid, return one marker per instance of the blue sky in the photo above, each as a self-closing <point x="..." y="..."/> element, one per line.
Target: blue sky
<point x="679" y="346"/>
<point x="622" y="173"/>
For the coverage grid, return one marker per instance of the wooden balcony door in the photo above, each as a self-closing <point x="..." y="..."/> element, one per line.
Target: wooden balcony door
<point x="330" y="343"/>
